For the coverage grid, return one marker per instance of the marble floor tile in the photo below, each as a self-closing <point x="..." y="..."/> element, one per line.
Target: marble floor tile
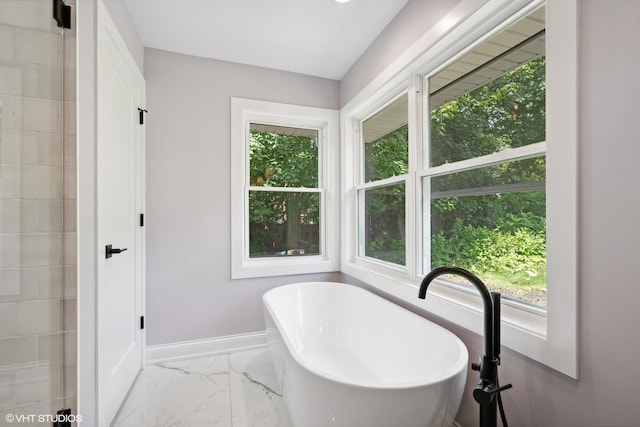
<point x="231" y="390"/>
<point x="185" y="393"/>
<point x="256" y="398"/>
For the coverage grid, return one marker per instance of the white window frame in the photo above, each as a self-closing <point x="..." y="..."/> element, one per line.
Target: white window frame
<point x="326" y="121"/>
<point x="549" y="337"/>
<point x="361" y="187"/>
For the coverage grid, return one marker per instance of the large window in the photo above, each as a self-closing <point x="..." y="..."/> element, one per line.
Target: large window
<point x="470" y="161"/>
<point x="484" y="203"/>
<point x="283" y="189"/>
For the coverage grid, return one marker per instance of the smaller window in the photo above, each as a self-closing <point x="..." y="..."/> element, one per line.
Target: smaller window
<point x="386" y="141"/>
<point x="383" y="236"/>
<point x="282" y="189"/>
<point x="283" y="221"/>
<point x="382" y="194"/>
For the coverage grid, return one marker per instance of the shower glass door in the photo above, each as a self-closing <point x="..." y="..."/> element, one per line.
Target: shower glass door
<point x="37" y="214"/>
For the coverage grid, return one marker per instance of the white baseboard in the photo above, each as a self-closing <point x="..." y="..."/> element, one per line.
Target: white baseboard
<point x="205" y="347"/>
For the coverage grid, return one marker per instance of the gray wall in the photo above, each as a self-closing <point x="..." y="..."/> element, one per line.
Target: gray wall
<point x="190" y="294"/>
<point x="406" y="28"/>
<point x="607" y="392"/>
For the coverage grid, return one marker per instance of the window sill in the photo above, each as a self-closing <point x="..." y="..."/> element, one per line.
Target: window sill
<point x="523" y="330"/>
<point x="282" y="266"/>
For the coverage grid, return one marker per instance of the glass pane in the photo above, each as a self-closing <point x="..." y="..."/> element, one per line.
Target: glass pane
<point x="384" y="223"/>
<point x="493" y="97"/>
<point x="283" y="223"/>
<point x="38" y="285"/>
<point x="492" y="222"/>
<point x="283" y="156"/>
<point x="386" y="142"/>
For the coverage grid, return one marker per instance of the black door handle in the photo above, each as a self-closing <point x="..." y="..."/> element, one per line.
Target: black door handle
<point x="110" y="251"/>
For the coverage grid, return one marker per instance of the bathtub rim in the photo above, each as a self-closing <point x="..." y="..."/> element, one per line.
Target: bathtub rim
<point x="458" y="367"/>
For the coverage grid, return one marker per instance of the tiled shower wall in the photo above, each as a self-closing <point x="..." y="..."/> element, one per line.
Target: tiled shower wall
<point x="37" y="210"/>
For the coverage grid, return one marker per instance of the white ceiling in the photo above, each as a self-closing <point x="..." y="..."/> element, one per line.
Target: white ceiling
<point x="315" y="37"/>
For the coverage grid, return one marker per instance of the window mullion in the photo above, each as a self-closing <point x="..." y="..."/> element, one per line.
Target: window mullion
<point x="511" y="154"/>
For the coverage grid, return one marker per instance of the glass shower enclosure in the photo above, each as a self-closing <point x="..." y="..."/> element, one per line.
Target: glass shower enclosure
<point x="37" y="211"/>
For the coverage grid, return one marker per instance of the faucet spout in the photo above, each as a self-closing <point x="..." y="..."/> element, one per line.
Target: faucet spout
<point x="487" y="391"/>
<point x="489" y="347"/>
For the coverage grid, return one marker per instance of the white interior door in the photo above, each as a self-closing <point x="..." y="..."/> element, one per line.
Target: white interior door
<point x="121" y="92"/>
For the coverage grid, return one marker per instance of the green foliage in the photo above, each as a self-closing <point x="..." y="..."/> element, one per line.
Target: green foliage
<point x="504" y="257"/>
<point x="500" y="236"/>
<point x="505" y="113"/>
<point x="387" y="156"/>
<point x="283" y="160"/>
<point x="385" y="223"/>
<point x="283" y="220"/>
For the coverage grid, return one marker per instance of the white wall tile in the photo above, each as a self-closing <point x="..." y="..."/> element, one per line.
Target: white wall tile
<point x="70" y="183"/>
<point x="31" y="80"/>
<point x="17" y="147"/>
<point x="70" y="371"/>
<point x="7" y="390"/>
<point x="8" y="181"/>
<point x="10" y="246"/>
<point x="50" y="146"/>
<point x="69" y="84"/>
<point x="70" y="346"/>
<point x="19" y="284"/>
<point x="39" y="317"/>
<point x="7" y="319"/>
<point x="19" y="216"/>
<point x="37" y="47"/>
<point x="9" y="112"/>
<point x="69" y="117"/>
<point x="70" y="248"/>
<point x="70" y="317"/>
<point x="38" y="384"/>
<point x="70" y="151"/>
<point x="41" y="249"/>
<point x="6" y="43"/>
<point x="35" y="14"/>
<point x="70" y="214"/>
<point x="50" y="349"/>
<point x="10" y="289"/>
<point x="31" y="114"/>
<point x="51" y="282"/>
<point x="70" y="281"/>
<point x="44" y="82"/>
<point x="18" y="351"/>
<point x="11" y="75"/>
<point x="50" y="215"/>
<point x="39" y="115"/>
<point x="40" y="182"/>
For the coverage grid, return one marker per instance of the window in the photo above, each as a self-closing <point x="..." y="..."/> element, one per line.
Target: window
<point x="283" y="186"/>
<point x="484" y="204"/>
<point x="385" y="144"/>
<point x="490" y="179"/>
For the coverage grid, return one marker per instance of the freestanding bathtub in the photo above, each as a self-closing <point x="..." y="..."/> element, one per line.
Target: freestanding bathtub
<point x="347" y="357"/>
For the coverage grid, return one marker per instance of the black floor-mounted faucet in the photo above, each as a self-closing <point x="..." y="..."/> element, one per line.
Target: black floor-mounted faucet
<point x="488" y="388"/>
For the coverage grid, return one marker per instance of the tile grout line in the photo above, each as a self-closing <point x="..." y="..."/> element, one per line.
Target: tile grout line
<point x="228" y="355"/>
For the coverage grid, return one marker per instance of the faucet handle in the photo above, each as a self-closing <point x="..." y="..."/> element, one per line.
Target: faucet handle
<point x="484" y="394"/>
<point x="475" y="366"/>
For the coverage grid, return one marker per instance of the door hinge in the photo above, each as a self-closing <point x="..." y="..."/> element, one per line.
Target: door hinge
<point x="63" y="418"/>
<point x="62" y="14"/>
<point x="141" y="322"/>
<point x="141" y="220"/>
<point x="141" y="111"/>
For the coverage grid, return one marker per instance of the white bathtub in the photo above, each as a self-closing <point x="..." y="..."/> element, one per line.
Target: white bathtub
<point x="346" y="357"/>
